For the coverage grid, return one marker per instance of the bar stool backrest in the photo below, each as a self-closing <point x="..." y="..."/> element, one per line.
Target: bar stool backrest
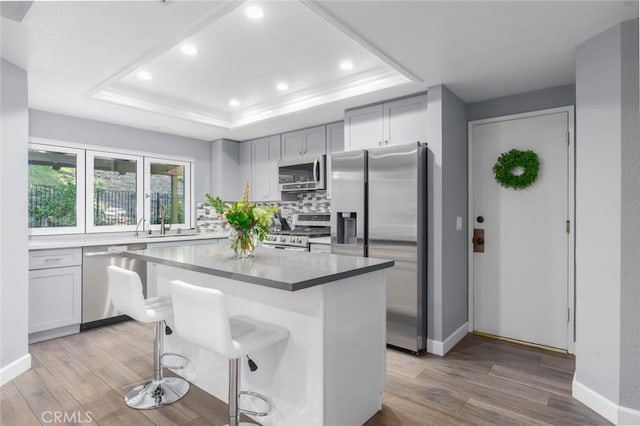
<point x="200" y="316"/>
<point x="125" y="288"/>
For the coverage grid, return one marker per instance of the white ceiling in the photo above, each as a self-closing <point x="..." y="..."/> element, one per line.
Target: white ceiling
<point x="76" y="51"/>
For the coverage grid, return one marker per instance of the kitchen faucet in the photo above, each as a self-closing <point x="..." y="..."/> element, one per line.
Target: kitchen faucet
<point x="142" y="220"/>
<point x="163" y="230"/>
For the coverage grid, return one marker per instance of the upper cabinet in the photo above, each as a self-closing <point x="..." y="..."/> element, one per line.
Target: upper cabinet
<point x="335" y="143"/>
<point x="264" y="169"/>
<point x="363" y="127"/>
<point x="304" y="142"/>
<point x="244" y="163"/>
<point x="399" y="121"/>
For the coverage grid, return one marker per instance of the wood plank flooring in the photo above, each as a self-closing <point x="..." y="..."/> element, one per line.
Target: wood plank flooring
<point x="480" y="382"/>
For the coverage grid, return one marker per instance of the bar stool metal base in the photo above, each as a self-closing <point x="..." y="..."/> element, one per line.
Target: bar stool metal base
<point x="157" y="393"/>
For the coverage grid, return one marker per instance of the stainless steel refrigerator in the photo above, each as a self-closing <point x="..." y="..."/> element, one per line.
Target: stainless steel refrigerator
<point x="379" y="209"/>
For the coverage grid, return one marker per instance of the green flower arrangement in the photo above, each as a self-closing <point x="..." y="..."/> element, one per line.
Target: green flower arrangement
<point x="247" y="220"/>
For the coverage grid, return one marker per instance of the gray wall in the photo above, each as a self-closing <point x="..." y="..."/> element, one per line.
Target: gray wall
<point x="607" y="221"/>
<point x="73" y="129"/>
<point x="630" y="283"/>
<point x="14" y="279"/>
<point x="524" y="102"/>
<point x="225" y="170"/>
<point x="455" y="244"/>
<point x="447" y="190"/>
<point x="434" y="213"/>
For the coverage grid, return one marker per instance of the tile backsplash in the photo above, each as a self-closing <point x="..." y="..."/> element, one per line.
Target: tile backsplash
<point x="207" y="220"/>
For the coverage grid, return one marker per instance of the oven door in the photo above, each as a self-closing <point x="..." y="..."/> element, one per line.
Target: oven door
<point x="302" y="174"/>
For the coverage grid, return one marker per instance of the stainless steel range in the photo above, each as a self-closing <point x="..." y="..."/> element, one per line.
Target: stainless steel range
<point x="305" y="227"/>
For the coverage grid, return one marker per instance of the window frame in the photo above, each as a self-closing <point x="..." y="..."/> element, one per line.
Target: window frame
<point x="90" y="180"/>
<point x="187" y="192"/>
<point x="80" y="189"/>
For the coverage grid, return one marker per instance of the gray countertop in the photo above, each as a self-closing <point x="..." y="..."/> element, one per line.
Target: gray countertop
<point x="87" y="240"/>
<point x="282" y="269"/>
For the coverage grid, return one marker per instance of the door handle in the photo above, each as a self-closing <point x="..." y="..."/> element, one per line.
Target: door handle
<point x="316" y="170"/>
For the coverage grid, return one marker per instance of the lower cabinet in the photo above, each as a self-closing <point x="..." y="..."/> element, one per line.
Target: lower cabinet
<point x="320" y="248"/>
<point x="55" y="293"/>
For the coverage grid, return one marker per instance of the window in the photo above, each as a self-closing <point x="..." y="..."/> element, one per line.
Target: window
<point x="114" y="191"/>
<point x="166" y="191"/>
<point x="121" y="190"/>
<point x="56" y="190"/>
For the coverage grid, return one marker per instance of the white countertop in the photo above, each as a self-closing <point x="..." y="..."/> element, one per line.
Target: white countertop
<point x="320" y="240"/>
<point x="87" y="240"/>
<point x="282" y="269"/>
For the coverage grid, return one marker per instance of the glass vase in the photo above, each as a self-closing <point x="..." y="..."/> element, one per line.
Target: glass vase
<point x="243" y="242"/>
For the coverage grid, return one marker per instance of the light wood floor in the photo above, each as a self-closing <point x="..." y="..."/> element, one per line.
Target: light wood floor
<point x="479" y="382"/>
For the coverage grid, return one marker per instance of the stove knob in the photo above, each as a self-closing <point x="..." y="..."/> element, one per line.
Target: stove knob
<point x="300" y="240"/>
<point x="282" y="239"/>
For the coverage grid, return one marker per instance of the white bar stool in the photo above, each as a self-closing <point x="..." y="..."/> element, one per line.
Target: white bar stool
<point x="200" y="316"/>
<point x="127" y="297"/>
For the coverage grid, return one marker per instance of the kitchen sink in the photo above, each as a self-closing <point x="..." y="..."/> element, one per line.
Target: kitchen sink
<point x="183" y="234"/>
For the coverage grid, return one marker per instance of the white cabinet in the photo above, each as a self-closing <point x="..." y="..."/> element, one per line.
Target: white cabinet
<point x="363" y="127"/>
<point x="264" y="169"/>
<point x="244" y="162"/>
<point x="405" y="120"/>
<point x="335" y="143"/>
<point x="258" y="164"/>
<point x="399" y="121"/>
<point x="55" y="293"/>
<point x="311" y="141"/>
<point x="320" y="248"/>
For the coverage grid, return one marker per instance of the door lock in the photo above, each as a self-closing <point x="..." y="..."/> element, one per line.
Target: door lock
<point x="478" y="240"/>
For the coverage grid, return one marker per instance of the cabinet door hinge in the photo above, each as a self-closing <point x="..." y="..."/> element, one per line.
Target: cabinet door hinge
<point x="568" y="137"/>
<point x="568" y="227"/>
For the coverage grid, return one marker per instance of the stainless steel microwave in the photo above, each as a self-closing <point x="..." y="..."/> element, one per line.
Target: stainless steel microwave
<point x="302" y="174"/>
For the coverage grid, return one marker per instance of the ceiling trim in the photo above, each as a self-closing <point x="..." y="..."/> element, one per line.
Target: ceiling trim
<point x="164" y="108"/>
<point x="351" y="33"/>
<point x="369" y="81"/>
<point x="168" y="43"/>
<point x="354" y="85"/>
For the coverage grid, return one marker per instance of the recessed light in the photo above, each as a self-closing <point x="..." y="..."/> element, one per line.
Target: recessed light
<point x="254" y="12"/>
<point x="144" y="75"/>
<point x="189" y="49"/>
<point x="282" y="86"/>
<point x="234" y="102"/>
<point x="346" y="65"/>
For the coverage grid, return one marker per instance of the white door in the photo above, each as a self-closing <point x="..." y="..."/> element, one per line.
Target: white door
<point x="521" y="281"/>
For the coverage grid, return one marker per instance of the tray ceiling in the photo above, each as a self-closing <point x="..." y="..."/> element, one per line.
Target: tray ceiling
<point x="231" y="70"/>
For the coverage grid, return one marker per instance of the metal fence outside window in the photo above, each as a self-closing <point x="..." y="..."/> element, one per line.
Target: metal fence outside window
<point x="111" y="207"/>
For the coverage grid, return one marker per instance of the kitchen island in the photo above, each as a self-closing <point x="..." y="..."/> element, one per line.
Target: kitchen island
<point x="331" y="369"/>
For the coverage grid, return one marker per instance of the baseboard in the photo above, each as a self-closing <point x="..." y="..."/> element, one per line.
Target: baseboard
<point x="628" y="416"/>
<point x="14" y="369"/>
<point x="437" y="347"/>
<point x="41" y="336"/>
<point x="608" y="409"/>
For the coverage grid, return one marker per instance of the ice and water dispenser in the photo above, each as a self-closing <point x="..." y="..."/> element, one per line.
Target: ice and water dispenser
<point x="347" y="232"/>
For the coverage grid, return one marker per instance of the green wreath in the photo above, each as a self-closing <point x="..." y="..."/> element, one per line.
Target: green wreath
<point x="508" y="162"/>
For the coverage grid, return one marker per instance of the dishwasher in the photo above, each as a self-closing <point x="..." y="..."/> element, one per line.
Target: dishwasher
<point x="97" y="309"/>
